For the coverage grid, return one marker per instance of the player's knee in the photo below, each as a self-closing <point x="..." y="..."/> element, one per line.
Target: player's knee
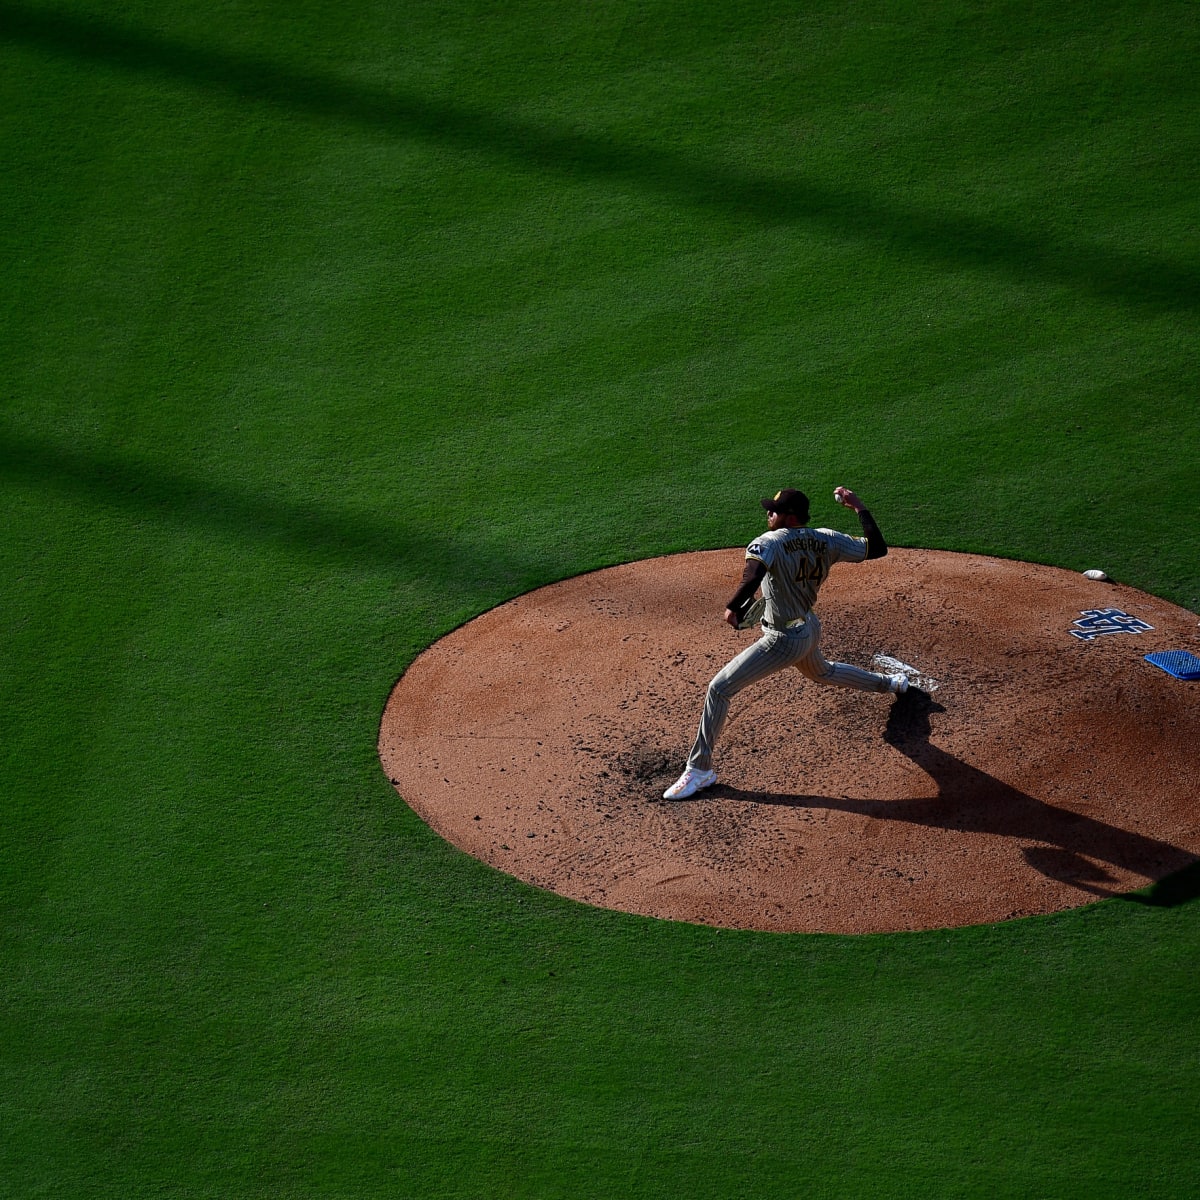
<point x="817" y="671"/>
<point x="725" y="686"/>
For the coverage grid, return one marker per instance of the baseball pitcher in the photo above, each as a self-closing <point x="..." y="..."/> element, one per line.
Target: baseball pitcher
<point x="790" y="561"/>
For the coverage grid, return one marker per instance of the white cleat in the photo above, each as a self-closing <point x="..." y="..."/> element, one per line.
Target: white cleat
<point x="885" y="664"/>
<point x="689" y="783"/>
<point x="898" y="684"/>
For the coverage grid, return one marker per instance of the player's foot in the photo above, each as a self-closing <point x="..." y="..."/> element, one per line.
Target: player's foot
<point x="898" y="684"/>
<point x="689" y="783"/>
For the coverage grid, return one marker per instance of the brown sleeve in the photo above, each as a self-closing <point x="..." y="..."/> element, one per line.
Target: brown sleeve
<point x="752" y="576"/>
<point x="876" y="546"/>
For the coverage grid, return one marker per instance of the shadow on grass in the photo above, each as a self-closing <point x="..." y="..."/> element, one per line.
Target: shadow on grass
<point x="1069" y="847"/>
<point x="1180" y="888"/>
<point x="956" y="240"/>
<point x="181" y="499"/>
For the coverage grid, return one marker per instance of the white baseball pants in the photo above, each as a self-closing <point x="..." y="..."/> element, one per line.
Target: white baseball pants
<point x="774" y="651"/>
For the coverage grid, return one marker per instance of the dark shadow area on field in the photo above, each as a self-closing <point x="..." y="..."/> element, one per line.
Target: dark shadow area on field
<point x="1180" y="888"/>
<point x="958" y="241"/>
<point x="971" y="801"/>
<point x="151" y="491"/>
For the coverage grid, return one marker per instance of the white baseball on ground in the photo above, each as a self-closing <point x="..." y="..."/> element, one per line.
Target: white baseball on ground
<point x="1094" y="575"/>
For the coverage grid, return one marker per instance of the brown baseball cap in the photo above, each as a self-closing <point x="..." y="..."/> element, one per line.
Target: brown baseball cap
<point x="789" y="501"/>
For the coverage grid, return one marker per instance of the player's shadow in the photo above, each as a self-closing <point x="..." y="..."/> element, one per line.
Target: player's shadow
<point x="1062" y="845"/>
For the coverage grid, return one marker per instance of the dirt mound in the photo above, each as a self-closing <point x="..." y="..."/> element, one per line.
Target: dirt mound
<point x="1045" y="769"/>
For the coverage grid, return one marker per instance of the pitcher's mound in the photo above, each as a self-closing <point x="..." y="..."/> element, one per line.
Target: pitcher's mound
<point x="1046" y="770"/>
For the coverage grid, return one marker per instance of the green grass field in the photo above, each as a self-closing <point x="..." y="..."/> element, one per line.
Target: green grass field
<point x="326" y="328"/>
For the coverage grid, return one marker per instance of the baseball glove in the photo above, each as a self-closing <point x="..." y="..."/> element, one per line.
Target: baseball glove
<point x="752" y="613"/>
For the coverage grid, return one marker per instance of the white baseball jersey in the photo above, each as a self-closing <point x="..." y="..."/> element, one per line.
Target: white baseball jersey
<point x="797" y="562"/>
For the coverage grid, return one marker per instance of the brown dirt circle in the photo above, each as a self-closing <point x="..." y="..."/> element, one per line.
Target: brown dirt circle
<point x="1042" y="773"/>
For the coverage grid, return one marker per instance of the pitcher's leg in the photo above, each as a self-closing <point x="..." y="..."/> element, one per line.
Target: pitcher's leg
<point x="769" y="654"/>
<point x="815" y="666"/>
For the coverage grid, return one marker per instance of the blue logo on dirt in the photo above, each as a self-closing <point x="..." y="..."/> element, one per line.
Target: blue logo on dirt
<point x="1096" y="622"/>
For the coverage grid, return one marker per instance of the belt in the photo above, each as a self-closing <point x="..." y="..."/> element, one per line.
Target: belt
<point x="798" y="623"/>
